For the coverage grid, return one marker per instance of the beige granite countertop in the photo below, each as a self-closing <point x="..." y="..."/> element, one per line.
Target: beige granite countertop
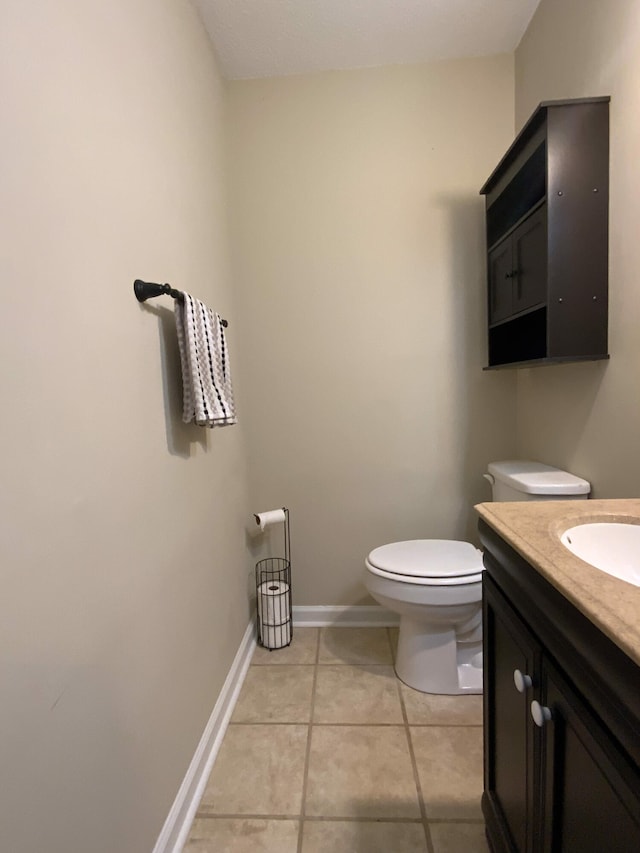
<point x="533" y="529"/>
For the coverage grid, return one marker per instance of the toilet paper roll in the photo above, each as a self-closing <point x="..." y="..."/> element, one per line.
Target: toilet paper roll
<point x="274" y="603"/>
<point x="272" y="516"/>
<point x="276" y="636"/>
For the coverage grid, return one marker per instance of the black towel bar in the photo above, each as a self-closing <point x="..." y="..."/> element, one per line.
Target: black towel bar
<point x="148" y="290"/>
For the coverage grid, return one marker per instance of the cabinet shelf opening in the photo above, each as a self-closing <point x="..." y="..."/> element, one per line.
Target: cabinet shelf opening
<point x="527" y="188"/>
<point x="521" y="339"/>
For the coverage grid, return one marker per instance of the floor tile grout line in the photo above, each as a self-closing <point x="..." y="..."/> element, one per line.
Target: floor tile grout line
<point x="355" y="819"/>
<point x="319" y="634"/>
<point x="305" y="775"/>
<point x="247" y="816"/>
<point x="414" y="767"/>
<point x="467" y="821"/>
<point x="340" y="663"/>
<point x="413" y="821"/>
<point x="390" y="641"/>
<point x="363" y="725"/>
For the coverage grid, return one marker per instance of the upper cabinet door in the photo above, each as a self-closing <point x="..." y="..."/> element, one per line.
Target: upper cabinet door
<point x="530" y="262"/>
<point x="500" y="282"/>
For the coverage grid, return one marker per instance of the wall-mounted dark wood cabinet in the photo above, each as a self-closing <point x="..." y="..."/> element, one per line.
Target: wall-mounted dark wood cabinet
<point x="547" y="238"/>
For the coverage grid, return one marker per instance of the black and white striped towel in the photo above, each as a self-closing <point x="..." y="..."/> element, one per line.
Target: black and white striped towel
<point x="206" y="377"/>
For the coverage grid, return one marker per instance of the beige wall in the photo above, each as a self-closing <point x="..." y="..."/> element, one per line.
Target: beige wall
<point x="124" y="564"/>
<point x="587" y="417"/>
<point x="357" y="332"/>
<point x="357" y="234"/>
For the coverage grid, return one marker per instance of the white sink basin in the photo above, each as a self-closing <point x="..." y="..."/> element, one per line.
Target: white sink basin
<point x="613" y="548"/>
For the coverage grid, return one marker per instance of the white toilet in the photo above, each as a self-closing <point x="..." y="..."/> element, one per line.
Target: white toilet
<point x="435" y="585"/>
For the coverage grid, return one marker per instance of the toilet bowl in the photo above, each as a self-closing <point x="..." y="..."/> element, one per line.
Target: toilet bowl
<point x="435" y="585"/>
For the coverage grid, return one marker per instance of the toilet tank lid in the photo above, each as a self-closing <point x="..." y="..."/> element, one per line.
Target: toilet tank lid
<point x="535" y="478"/>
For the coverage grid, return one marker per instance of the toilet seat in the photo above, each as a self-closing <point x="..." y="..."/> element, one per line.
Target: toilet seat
<point x="430" y="562"/>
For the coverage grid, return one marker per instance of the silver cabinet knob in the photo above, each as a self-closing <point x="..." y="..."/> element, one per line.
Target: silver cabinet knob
<point x="521" y="680"/>
<point x="540" y="713"/>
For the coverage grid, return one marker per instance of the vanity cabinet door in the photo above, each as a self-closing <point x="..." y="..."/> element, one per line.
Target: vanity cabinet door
<point x="510" y="780"/>
<point x="590" y="790"/>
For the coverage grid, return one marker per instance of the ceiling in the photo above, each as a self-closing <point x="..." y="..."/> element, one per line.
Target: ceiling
<point x="272" y="38"/>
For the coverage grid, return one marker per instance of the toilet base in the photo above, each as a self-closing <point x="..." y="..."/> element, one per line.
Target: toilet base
<point x="434" y="661"/>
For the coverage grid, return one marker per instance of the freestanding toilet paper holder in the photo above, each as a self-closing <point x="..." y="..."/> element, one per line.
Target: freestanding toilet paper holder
<point x="273" y="588"/>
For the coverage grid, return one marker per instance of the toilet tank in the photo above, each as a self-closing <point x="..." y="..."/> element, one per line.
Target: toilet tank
<point x="532" y="481"/>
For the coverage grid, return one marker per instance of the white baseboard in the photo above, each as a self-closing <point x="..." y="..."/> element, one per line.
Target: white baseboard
<point x="176" y="827"/>
<point x="356" y="616"/>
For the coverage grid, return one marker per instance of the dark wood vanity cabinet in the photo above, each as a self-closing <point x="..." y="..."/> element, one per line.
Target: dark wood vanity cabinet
<point x="547" y="238"/>
<point x="568" y="781"/>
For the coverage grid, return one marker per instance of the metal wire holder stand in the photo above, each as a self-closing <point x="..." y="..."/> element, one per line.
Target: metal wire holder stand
<point x="273" y="596"/>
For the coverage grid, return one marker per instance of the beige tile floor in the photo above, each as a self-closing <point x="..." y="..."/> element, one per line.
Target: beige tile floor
<point x="327" y="752"/>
